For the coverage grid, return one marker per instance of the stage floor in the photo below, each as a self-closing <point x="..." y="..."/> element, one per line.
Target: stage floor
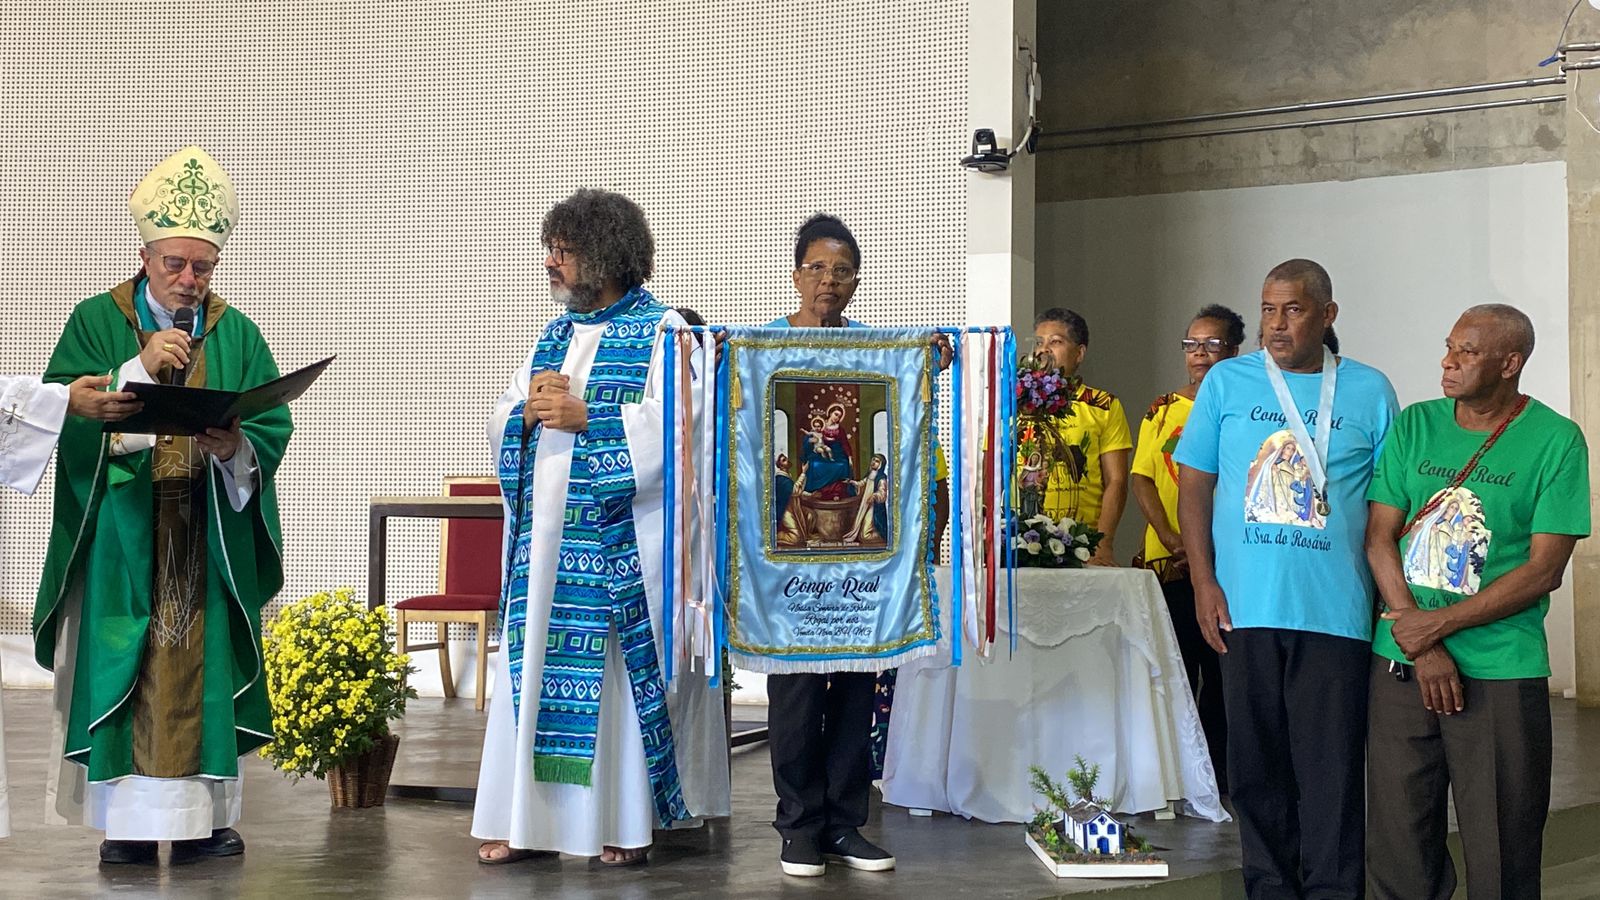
<point x="298" y="847"/>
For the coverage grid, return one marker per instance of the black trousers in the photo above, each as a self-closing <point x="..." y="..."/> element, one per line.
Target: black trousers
<point x="1204" y="669"/>
<point x="1297" y="730"/>
<point x="1494" y="757"/>
<point x="819" y="732"/>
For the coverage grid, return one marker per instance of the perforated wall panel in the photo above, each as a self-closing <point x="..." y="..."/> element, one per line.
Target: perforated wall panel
<point x="393" y="162"/>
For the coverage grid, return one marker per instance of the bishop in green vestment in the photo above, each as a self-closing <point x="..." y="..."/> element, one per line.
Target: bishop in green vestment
<point x="163" y="549"/>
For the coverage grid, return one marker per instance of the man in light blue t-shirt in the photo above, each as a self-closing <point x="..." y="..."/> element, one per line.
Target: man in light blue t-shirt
<point x="1274" y="466"/>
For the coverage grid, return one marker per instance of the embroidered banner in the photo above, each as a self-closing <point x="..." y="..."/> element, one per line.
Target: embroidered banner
<point x="830" y="456"/>
<point x="799" y="477"/>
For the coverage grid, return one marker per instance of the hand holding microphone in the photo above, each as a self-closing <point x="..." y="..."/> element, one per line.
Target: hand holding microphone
<point x="170" y="348"/>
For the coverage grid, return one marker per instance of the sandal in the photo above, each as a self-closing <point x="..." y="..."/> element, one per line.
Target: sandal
<point x="515" y="854"/>
<point x="641" y="855"/>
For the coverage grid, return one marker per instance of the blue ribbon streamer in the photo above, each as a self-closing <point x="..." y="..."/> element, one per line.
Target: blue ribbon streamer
<point x="719" y="615"/>
<point x="669" y="470"/>
<point x="1009" y="366"/>
<point x="933" y="496"/>
<point x="957" y="573"/>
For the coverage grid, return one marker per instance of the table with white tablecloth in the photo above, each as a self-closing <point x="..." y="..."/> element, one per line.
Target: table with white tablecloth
<point x="1096" y="673"/>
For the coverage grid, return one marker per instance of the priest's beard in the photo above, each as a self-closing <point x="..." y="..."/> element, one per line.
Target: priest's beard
<point x="577" y="297"/>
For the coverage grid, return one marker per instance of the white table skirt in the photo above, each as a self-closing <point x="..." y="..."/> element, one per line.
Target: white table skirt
<point x="1096" y="673"/>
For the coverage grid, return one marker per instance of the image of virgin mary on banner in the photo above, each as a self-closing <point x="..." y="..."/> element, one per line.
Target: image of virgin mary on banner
<point x="830" y="453"/>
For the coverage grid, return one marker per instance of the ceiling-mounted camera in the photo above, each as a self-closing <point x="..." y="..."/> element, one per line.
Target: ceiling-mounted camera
<point x="987" y="155"/>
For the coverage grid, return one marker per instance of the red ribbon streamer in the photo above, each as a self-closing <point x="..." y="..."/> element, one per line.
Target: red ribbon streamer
<point x="990" y="563"/>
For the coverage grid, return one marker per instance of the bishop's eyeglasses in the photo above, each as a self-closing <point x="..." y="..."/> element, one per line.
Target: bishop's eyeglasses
<point x="176" y="264"/>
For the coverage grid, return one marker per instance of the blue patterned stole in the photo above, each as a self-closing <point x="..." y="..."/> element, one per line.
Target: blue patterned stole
<point x="599" y="584"/>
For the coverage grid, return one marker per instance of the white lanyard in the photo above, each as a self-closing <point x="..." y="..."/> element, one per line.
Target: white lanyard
<point x="1314" y="453"/>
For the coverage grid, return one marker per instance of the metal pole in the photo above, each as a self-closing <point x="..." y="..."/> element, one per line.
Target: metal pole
<point x="1343" y="120"/>
<point x="1431" y="93"/>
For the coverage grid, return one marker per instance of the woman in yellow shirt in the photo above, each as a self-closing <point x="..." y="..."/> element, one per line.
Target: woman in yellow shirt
<point x="1214" y="335"/>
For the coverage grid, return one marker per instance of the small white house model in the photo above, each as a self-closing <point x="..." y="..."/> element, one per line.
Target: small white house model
<point x="1092" y="829"/>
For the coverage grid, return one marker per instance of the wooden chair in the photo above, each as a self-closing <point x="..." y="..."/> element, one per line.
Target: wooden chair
<point x="469" y="585"/>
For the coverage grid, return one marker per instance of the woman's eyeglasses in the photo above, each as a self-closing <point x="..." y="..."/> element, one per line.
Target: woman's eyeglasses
<point x="841" y="274"/>
<point x="1212" y="346"/>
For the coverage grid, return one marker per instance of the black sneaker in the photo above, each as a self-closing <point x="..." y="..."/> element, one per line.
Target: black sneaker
<point x="801" y="859"/>
<point x="855" y="851"/>
<point x="127" y="853"/>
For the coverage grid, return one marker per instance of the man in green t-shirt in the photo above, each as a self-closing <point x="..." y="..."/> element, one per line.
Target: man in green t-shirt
<point x="1465" y="568"/>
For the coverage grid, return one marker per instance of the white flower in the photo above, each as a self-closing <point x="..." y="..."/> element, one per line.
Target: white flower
<point x="1067" y="523"/>
<point x="1040" y="519"/>
<point x="1034" y="547"/>
<point x="1018" y="542"/>
<point x="1057" y="547"/>
<point x="1082" y="553"/>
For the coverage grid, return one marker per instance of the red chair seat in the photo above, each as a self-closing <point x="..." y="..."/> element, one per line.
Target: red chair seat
<point x="452" y="602"/>
<point x="469" y="584"/>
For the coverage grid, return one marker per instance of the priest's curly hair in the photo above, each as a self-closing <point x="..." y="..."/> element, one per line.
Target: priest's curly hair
<point x="608" y="232"/>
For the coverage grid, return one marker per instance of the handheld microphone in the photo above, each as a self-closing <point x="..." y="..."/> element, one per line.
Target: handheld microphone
<point x="182" y="320"/>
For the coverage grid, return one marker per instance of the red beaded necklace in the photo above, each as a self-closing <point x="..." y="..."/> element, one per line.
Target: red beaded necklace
<point x="1472" y="464"/>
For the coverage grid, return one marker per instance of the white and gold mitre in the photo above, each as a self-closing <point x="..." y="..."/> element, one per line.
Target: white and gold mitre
<point x="186" y="195"/>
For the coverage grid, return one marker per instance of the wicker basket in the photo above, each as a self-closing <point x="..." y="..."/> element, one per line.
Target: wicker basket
<point x="364" y="781"/>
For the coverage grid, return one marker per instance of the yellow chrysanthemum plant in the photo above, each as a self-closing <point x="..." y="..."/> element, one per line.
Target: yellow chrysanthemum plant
<point x="335" y="682"/>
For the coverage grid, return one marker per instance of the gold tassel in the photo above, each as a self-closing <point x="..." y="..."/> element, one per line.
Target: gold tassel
<point x="735" y="395"/>
<point x="927" y="386"/>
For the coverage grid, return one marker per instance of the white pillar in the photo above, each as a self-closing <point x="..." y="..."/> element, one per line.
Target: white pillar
<point x="1000" y="207"/>
<point x="1583" y="335"/>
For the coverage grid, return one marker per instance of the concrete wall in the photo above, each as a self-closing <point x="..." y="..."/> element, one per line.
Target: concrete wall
<point x="1106" y="63"/>
<point x="1139" y="267"/>
<point x="1123" y="238"/>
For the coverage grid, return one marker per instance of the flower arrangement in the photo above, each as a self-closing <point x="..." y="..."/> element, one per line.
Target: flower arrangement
<point x="1043" y="390"/>
<point x="334" y="680"/>
<point x="1043" y="542"/>
<point x="1044" y="399"/>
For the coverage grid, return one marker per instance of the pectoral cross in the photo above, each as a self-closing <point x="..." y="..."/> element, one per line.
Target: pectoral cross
<point x="7" y="429"/>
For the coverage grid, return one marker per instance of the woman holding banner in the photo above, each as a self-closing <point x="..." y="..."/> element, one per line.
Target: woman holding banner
<point x="820" y="725"/>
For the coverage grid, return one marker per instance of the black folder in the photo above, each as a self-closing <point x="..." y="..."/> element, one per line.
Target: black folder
<point x="174" y="409"/>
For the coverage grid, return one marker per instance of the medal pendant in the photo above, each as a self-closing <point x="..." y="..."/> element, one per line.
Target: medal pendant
<point x="1321" y="500"/>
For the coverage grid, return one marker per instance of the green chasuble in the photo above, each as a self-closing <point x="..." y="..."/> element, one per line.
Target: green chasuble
<point x="102" y="556"/>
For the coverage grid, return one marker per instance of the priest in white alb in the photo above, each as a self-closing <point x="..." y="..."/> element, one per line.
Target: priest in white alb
<point x="587" y="750"/>
<point x="31" y="415"/>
